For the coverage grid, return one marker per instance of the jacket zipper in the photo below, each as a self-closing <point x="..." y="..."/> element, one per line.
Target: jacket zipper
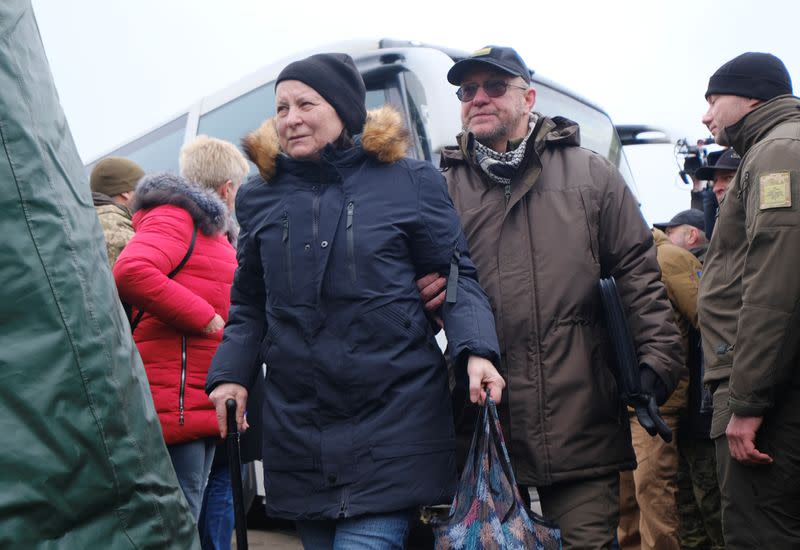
<point x="287" y="243"/>
<point x="507" y="191"/>
<point x="315" y="218"/>
<point x="343" y="505"/>
<point x="351" y="256"/>
<point x="183" y="381"/>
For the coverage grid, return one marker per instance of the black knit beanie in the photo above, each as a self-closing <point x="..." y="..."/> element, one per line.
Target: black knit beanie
<point x="334" y="76"/>
<point x="752" y="74"/>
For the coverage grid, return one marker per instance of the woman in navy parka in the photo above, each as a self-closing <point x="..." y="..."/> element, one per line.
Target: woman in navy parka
<point x="358" y="428"/>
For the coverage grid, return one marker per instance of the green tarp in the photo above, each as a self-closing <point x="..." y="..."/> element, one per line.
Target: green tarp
<point x="82" y="460"/>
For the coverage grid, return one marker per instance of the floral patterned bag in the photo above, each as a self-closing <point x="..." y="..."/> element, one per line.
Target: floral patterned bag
<point x="488" y="511"/>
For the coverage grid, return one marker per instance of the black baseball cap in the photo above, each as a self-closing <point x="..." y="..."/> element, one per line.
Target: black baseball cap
<point x="728" y="160"/>
<point x="496" y="57"/>
<point x="693" y="217"/>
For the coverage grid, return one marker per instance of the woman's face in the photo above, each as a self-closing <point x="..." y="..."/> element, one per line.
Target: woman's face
<point x="306" y="122"/>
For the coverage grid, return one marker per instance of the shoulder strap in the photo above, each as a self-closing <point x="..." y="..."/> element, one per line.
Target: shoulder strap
<point x="185" y="259"/>
<point x="171" y="274"/>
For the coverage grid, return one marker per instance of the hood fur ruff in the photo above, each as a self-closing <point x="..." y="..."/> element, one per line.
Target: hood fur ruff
<point x="384" y="137"/>
<point x="206" y="208"/>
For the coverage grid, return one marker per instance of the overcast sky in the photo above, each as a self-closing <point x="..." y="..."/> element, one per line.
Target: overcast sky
<point x="123" y="67"/>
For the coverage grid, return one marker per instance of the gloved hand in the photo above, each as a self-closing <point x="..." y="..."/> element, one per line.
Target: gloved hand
<point x="652" y="384"/>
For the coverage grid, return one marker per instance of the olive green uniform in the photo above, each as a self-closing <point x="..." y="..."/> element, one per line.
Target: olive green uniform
<point x="750" y="322"/>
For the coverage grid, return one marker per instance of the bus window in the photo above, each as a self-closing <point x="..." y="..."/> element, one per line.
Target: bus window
<point x="235" y="119"/>
<point x="375" y="99"/>
<point x="417" y="112"/>
<point x="597" y="131"/>
<point x="156" y="151"/>
<point x="405" y="93"/>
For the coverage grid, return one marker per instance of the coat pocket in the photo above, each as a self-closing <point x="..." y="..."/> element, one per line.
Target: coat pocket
<point x="412" y="448"/>
<point x="286" y="239"/>
<point x="268" y="342"/>
<point x="387" y="326"/>
<point x="287" y="451"/>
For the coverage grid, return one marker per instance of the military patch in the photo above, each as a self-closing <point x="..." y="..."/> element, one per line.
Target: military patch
<point x="482" y="51"/>
<point x="775" y="190"/>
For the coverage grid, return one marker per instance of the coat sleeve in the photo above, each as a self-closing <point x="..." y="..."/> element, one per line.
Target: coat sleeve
<point x="238" y="356"/>
<point x="439" y="245"/>
<point x="767" y="343"/>
<point x="628" y="253"/>
<point x="161" y="241"/>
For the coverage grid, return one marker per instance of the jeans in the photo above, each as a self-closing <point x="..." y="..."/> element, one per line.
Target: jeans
<point x="216" y="522"/>
<point x="371" y="532"/>
<point x="192" y="463"/>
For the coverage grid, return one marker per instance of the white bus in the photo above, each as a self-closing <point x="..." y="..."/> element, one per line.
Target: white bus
<point x="408" y="75"/>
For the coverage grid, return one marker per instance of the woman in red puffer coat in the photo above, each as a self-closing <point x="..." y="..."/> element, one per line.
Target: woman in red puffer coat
<point x="183" y="317"/>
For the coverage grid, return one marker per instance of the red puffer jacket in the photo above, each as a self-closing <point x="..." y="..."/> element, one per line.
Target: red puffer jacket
<point x="175" y="351"/>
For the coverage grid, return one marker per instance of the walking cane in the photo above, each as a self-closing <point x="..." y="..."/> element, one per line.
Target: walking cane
<point x="235" y="465"/>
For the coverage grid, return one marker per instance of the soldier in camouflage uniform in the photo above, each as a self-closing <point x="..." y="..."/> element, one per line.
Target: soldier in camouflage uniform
<point x="112" y="182"/>
<point x="698" y="496"/>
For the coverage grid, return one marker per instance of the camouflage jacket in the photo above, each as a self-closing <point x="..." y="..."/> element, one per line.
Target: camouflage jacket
<point x="115" y="219"/>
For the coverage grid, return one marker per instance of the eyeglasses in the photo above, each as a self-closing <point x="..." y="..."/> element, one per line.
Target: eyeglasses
<point x="493" y="88"/>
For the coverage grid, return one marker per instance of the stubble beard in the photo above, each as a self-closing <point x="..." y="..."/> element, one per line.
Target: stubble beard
<point x="499" y="133"/>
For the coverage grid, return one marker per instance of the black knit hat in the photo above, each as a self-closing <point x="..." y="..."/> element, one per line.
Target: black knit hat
<point x="753" y="74"/>
<point x="335" y="77"/>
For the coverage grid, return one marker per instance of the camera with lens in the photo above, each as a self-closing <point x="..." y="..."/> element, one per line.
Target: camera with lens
<point x="694" y="157"/>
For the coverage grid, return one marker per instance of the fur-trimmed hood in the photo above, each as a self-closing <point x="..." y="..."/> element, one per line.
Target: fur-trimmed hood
<point x="206" y="208"/>
<point x="384" y="137"/>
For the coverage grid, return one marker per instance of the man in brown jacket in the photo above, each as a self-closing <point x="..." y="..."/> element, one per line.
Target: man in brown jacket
<point x="749" y="296"/>
<point x="649" y="518"/>
<point x="545" y="220"/>
<point x="698" y="490"/>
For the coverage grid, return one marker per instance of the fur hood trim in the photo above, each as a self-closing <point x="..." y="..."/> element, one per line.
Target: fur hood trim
<point x="206" y="208"/>
<point x="384" y="137"/>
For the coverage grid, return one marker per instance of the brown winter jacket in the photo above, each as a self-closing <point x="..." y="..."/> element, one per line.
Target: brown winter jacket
<point x="570" y="220"/>
<point x="680" y="273"/>
<point x="750" y="289"/>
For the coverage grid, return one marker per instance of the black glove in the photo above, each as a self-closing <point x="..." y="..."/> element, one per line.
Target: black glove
<point x="652" y="384"/>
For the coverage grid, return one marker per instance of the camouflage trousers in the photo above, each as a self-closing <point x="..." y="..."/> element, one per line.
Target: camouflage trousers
<point x="698" y="496"/>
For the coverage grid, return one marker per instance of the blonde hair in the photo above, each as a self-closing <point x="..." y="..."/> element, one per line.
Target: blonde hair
<point x="210" y="162"/>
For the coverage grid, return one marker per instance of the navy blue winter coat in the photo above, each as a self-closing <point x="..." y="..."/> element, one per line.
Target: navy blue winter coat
<point x="357" y="415"/>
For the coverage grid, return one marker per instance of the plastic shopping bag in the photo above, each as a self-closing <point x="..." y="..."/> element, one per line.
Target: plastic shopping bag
<point x="488" y="511"/>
